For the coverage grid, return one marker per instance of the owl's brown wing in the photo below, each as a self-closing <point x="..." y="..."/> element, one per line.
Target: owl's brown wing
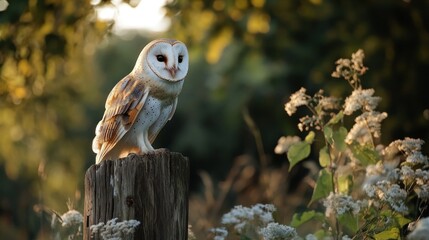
<point x="122" y="107"/>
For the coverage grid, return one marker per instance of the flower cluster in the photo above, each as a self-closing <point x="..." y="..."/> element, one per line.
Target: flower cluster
<point x="339" y="204"/>
<point x="275" y="231"/>
<point x="191" y="235"/>
<point x="394" y="179"/>
<point x="255" y="222"/>
<point x="71" y="218"/>
<point x="220" y="233"/>
<point x="361" y="99"/>
<point x="257" y="215"/>
<point x="351" y="69"/>
<point x="320" y="105"/>
<point x="390" y="193"/>
<point x="114" y="229"/>
<point x="284" y="143"/>
<point x="406" y="169"/>
<point x="299" y="98"/>
<point x="410" y="149"/>
<point x="366" y="125"/>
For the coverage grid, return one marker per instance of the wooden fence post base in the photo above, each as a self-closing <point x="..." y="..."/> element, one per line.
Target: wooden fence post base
<point x="151" y="188"/>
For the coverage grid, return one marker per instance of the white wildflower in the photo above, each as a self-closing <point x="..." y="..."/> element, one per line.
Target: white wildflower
<point x="390" y="193"/>
<point x="310" y="237"/>
<point x="351" y="69"/>
<point x="359" y="133"/>
<point x="297" y="99"/>
<point x="191" y="235"/>
<point x="275" y="231"/>
<point x="361" y="99"/>
<point x="284" y="143"/>
<point x="239" y="216"/>
<point x="422" y="192"/>
<point x="407" y="146"/>
<point x="373" y="120"/>
<point x="114" y="229"/>
<point x="343" y="69"/>
<point x="421" y="232"/>
<point x="421" y="177"/>
<point x="329" y="103"/>
<point x="308" y="122"/>
<point x="345" y="237"/>
<point x="71" y="218"/>
<point x="369" y="190"/>
<point x="220" y="233"/>
<point x="407" y="174"/>
<point x="418" y="178"/>
<point x="417" y="157"/>
<point x="357" y="61"/>
<point x="338" y="204"/>
<point x="264" y="212"/>
<point x="3" y="5"/>
<point x="97" y="227"/>
<point x="381" y="172"/>
<point x="366" y="125"/>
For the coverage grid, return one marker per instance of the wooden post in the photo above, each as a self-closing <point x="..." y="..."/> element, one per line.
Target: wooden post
<point x="151" y="188"/>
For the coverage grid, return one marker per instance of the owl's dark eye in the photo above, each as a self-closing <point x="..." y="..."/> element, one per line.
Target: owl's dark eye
<point x="180" y="58"/>
<point x="160" y="58"/>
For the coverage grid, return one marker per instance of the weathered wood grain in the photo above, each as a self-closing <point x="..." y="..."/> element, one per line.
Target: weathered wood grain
<point x="151" y="188"/>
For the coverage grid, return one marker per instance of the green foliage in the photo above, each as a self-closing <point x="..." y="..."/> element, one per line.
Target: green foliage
<point x="299" y="219"/>
<point x="324" y="158"/>
<point x="350" y="222"/>
<point x="298" y="152"/>
<point x="365" y="154"/>
<point x="367" y="190"/>
<point x="324" y="186"/>
<point x="389" y="234"/>
<point x="384" y="209"/>
<point x="48" y="100"/>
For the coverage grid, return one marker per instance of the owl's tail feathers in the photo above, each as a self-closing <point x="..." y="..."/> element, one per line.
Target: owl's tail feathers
<point x="96" y="143"/>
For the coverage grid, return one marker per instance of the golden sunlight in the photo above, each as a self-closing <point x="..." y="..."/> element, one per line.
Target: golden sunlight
<point x="147" y="15"/>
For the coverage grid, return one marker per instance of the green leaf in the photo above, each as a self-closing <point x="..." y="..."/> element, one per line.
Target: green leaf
<point x="335" y="119"/>
<point x="349" y="221"/>
<point x="298" y="152"/>
<point x="365" y="154"/>
<point x="392" y="233"/>
<point x="327" y="131"/>
<point x="244" y="237"/>
<point x="324" y="158"/>
<point x="338" y="138"/>
<point x="323" y="186"/>
<point x="321" y="234"/>
<point x="345" y="183"/>
<point x="310" y="137"/>
<point x="300" y="218"/>
<point x="401" y="220"/>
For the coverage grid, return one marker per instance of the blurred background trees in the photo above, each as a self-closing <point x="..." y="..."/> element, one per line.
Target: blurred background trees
<point x="58" y="62"/>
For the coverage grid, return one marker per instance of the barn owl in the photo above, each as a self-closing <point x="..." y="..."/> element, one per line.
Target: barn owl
<point x="142" y="102"/>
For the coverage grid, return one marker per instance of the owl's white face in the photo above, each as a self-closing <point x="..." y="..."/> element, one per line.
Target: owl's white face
<point x="168" y="59"/>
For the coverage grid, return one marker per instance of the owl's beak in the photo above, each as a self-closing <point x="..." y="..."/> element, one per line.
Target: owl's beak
<point x="172" y="71"/>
